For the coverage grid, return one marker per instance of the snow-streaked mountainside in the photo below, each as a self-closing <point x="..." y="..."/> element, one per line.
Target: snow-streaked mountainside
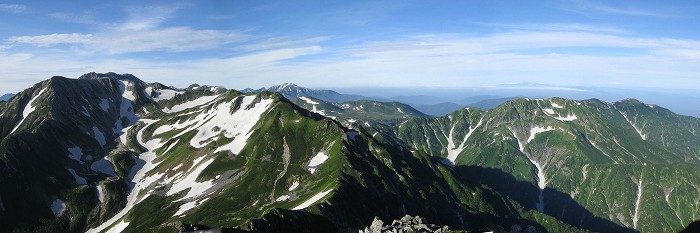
<point x="627" y="162"/>
<point x="111" y="153"/>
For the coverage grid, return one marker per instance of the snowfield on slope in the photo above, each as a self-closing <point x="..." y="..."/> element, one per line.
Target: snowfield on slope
<point x="190" y="104"/>
<point x="28" y="109"/>
<point x="312" y="200"/>
<point x="237" y="125"/>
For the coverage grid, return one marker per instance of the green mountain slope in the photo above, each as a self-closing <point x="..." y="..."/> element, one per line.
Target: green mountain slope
<point x="617" y="162"/>
<point x="108" y="152"/>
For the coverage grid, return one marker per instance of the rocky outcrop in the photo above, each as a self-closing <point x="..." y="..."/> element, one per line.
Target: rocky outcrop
<point x="405" y="224"/>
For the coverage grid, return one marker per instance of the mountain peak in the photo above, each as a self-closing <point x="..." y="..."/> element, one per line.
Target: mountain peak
<point x="127" y="76"/>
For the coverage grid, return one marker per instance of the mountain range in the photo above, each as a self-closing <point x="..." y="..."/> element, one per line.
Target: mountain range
<point x="112" y="153"/>
<point x="6" y="97"/>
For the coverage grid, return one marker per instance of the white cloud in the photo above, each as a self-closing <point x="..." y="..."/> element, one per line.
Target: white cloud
<point x="148" y="17"/>
<point x="13" y="8"/>
<point x="427" y="60"/>
<point x="281" y="42"/>
<point x="87" y="18"/>
<point x="53" y="39"/>
<point x="585" y="6"/>
<point x="175" y="39"/>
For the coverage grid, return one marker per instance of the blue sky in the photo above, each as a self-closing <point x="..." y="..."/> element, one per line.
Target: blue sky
<point x="238" y="44"/>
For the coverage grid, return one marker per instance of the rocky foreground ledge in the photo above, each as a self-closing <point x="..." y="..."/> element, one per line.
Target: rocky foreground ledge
<point x="417" y="224"/>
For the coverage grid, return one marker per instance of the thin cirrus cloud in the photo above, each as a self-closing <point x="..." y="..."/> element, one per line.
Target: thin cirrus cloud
<point x="429" y="60"/>
<point x="173" y="39"/>
<point x="585" y="7"/>
<point x="13" y="8"/>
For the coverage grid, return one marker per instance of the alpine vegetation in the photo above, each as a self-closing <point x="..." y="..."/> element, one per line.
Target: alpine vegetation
<point x="112" y="153"/>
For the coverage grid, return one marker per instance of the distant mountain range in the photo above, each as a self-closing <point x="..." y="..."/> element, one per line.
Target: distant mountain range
<point x="6" y="97"/>
<point x="292" y="91"/>
<point x="112" y="153"/>
<point x="429" y="105"/>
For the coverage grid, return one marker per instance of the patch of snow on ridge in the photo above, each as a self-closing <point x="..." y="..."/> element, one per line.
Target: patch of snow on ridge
<point x="239" y="125"/>
<point x="294" y="186"/>
<point x="141" y="181"/>
<point x="104" y="105"/>
<point x="76" y="153"/>
<point x="166" y="94"/>
<point x="190" y="104"/>
<point x="312" y="200"/>
<point x="99" y="136"/>
<point x="639" y="131"/>
<point x="304" y="98"/>
<point x="58" y="206"/>
<point x="352" y="135"/>
<point x="555" y="105"/>
<point x="318" y="159"/>
<point x="452" y="150"/>
<point x="100" y="193"/>
<point x="541" y="178"/>
<point x="549" y="111"/>
<point x="119" y="227"/>
<point x="28" y="109"/>
<point x="313" y="104"/>
<point x="126" y="93"/>
<point x="535" y="130"/>
<point x="570" y="117"/>
<point x="104" y="166"/>
<point x="78" y="179"/>
<point x="283" y="198"/>
<point x="190" y="182"/>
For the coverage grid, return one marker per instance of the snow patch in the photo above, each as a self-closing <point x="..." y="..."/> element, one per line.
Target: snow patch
<point x="313" y="104"/>
<point x="190" y="182"/>
<point x="100" y="193"/>
<point x="99" y="137"/>
<point x="104" y="105"/>
<point x="166" y="94"/>
<point x="312" y="200"/>
<point x="452" y="150"/>
<point x="28" y="109"/>
<point x="535" y="130"/>
<point x="295" y="184"/>
<point x="569" y="117"/>
<point x="78" y="179"/>
<point x="318" y="159"/>
<point x="283" y="198"/>
<point x="103" y="166"/>
<point x="58" y="206"/>
<point x="75" y="153"/>
<point x="555" y="105"/>
<point x="640" y="188"/>
<point x="190" y="104"/>
<point x="126" y="93"/>
<point x="639" y="131"/>
<point x="138" y="177"/>
<point x="399" y="109"/>
<point x="352" y="135"/>
<point x="549" y="111"/>
<point x="541" y="178"/>
<point x="119" y="227"/>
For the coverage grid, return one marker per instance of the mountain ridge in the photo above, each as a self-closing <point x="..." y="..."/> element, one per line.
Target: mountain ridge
<point x="116" y="150"/>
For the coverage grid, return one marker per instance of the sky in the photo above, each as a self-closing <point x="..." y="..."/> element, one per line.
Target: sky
<point x="346" y="44"/>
